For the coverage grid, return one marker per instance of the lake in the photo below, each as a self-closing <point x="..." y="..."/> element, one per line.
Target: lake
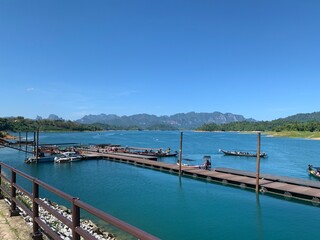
<point x="172" y="208"/>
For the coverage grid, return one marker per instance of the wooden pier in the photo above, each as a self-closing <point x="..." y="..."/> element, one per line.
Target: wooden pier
<point x="15" y="147"/>
<point x="269" y="184"/>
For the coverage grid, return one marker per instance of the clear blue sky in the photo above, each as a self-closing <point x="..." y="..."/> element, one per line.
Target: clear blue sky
<point x="260" y="59"/>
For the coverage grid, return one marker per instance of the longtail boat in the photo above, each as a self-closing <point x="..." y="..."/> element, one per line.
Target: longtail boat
<point x="314" y="171"/>
<point x="242" y="153"/>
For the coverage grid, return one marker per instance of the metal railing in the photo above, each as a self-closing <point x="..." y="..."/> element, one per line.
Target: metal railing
<point x="76" y="203"/>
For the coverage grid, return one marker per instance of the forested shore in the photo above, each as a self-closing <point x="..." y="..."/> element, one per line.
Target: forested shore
<point x="18" y="124"/>
<point x="279" y="127"/>
<point x="310" y="129"/>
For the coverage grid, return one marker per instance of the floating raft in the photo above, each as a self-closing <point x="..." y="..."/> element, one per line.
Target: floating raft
<point x="288" y="187"/>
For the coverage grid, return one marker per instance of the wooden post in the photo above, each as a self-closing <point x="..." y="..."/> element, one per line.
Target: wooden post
<point x="180" y="154"/>
<point x="37" y="145"/>
<point x="75" y="219"/>
<point x="36" y="234"/>
<point x="20" y="140"/>
<point x="13" y="208"/>
<point x="258" y="163"/>
<point x="26" y="142"/>
<point x="34" y="144"/>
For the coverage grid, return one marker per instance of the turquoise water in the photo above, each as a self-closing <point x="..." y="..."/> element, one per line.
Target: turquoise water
<point x="172" y="208"/>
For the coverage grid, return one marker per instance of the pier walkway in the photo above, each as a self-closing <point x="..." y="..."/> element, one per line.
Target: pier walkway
<point x="12" y="227"/>
<point x="288" y="187"/>
<point x="15" y="147"/>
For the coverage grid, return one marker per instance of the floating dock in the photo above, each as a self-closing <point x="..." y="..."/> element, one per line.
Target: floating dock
<point x="284" y="186"/>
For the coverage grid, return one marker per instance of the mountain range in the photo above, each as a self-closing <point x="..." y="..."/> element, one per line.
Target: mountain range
<point x="215" y="121"/>
<point x="189" y="120"/>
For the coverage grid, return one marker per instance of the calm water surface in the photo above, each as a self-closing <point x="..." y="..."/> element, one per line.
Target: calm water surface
<point x="173" y="208"/>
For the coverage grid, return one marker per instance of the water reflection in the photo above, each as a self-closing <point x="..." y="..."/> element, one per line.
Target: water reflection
<point x="259" y="228"/>
<point x="180" y="182"/>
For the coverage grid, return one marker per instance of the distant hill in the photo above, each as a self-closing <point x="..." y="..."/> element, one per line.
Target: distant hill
<point x="303" y="117"/>
<point x="215" y="121"/>
<point x="190" y="120"/>
<point x="54" y="117"/>
<point x="302" y="122"/>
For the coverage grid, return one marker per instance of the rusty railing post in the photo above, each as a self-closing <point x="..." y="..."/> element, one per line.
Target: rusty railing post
<point x="13" y="209"/>
<point x="36" y="234"/>
<point x="75" y="219"/>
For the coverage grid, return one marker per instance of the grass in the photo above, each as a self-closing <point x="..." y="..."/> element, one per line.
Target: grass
<point x="295" y="134"/>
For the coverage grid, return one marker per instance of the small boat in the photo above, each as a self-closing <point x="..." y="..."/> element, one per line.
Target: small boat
<point x="68" y="157"/>
<point x="314" y="171"/>
<point x="206" y="164"/>
<point x="156" y="152"/>
<point x="242" y="153"/>
<point x="42" y="157"/>
<point x="34" y="159"/>
<point x="62" y="159"/>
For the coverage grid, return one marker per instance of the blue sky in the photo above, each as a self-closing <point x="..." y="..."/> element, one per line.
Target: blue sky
<point x="260" y="59"/>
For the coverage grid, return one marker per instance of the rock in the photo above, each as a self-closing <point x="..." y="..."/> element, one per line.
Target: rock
<point x="64" y="209"/>
<point x="97" y="230"/>
<point x="61" y="229"/>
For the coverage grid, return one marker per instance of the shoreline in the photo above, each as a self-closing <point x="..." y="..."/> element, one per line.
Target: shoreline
<point x="290" y="134"/>
<point x="7" y="136"/>
<point x="295" y="134"/>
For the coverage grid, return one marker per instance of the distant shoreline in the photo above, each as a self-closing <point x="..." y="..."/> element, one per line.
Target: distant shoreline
<point x="295" y="134"/>
<point x="290" y="134"/>
<point x="8" y="136"/>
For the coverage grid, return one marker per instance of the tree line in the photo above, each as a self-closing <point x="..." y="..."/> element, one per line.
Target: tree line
<point x="21" y="124"/>
<point x="275" y="126"/>
<point x="18" y="124"/>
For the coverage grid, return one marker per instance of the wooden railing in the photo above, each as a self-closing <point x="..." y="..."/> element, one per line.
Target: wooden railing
<point x="37" y="202"/>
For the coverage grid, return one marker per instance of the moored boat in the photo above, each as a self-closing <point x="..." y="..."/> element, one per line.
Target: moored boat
<point x="62" y="159"/>
<point x="154" y="152"/>
<point x="242" y="153"/>
<point x="68" y="157"/>
<point x="314" y="171"/>
<point x="42" y="157"/>
<point x="34" y="159"/>
<point x="158" y="154"/>
<point x="206" y="163"/>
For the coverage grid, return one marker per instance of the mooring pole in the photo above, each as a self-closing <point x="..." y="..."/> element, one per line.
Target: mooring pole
<point x="20" y="140"/>
<point x="258" y="163"/>
<point x="37" y="145"/>
<point x="26" y="142"/>
<point x="180" y="154"/>
<point x="34" y="144"/>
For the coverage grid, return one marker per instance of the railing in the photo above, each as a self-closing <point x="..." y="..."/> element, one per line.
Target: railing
<point x="76" y="203"/>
